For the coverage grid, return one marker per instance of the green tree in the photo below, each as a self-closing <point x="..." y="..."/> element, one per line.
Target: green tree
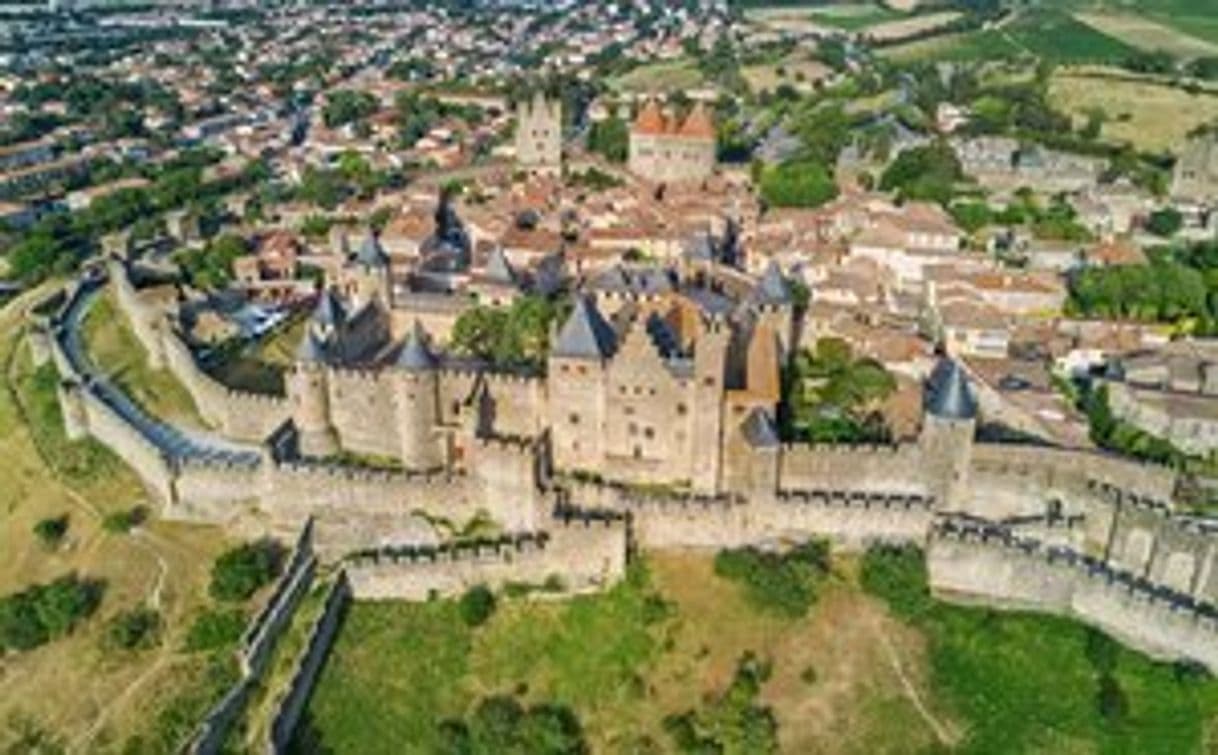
<point x="797" y="183"/>
<point x="929" y="172"/>
<point x="477" y="605"/>
<point x="50" y="532"/>
<point x="134" y="629"/>
<point x="238" y="573"/>
<point x="1166" y="222"/>
<point x="610" y="138"/>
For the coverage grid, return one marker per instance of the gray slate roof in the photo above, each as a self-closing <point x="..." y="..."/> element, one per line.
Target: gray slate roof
<point x="948" y="394"/>
<point x="371" y="253"/>
<point x="311" y="348"/>
<point x="415" y="356"/>
<point x="759" y="429"/>
<point x="772" y="288"/>
<point x="498" y="269"/>
<point x="585" y="334"/>
<point x="330" y="312"/>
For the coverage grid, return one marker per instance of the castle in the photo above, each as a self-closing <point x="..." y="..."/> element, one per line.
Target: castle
<point x="667" y="149"/>
<point x="653" y="425"/>
<point x="539" y="134"/>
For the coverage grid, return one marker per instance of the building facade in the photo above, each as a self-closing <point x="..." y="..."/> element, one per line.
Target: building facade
<point x="539" y="134"/>
<point x="667" y="149"/>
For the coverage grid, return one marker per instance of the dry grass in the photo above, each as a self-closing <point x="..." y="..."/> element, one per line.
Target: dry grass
<point x="1145" y="34"/>
<point x="908" y="27"/>
<point x="800" y="74"/>
<point x="660" y="77"/>
<point x="69" y="687"/>
<point x="1148" y="115"/>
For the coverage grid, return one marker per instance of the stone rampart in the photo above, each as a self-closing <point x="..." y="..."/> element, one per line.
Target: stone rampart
<point x="829" y="467"/>
<point x="260" y="636"/>
<point x="986" y="564"/>
<point x="321" y="637"/>
<point x="585" y="553"/>
<point x="240" y="415"/>
<point x="1075" y="468"/>
<point x="256" y="645"/>
<point x="237" y="414"/>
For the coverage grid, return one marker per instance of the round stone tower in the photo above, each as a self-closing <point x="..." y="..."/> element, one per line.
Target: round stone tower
<point x="417" y="394"/>
<point x="949" y="425"/>
<point x="309" y="392"/>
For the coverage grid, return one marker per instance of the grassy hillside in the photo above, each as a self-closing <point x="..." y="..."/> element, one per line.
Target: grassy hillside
<point x="854" y="676"/>
<point x="75" y="692"/>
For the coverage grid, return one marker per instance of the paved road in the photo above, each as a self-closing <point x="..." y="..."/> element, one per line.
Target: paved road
<point x="177" y="444"/>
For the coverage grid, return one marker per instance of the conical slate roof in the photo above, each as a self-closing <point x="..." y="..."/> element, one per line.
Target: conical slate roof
<point x="311" y="348"/>
<point x="415" y="356"/>
<point x="948" y="394"/>
<point x="330" y="312"/>
<point x="759" y="430"/>
<point x="772" y="288"/>
<point x="370" y="252"/>
<point x="498" y="269"/>
<point x="585" y="334"/>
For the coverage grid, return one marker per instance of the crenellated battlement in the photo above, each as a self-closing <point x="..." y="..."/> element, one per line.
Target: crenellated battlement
<point x="990" y="536"/>
<point x="332" y="471"/>
<point x="857" y="498"/>
<point x="504" y="547"/>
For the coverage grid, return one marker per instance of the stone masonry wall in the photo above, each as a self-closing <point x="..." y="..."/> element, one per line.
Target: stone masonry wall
<point x="584" y="553"/>
<point x="968" y="566"/>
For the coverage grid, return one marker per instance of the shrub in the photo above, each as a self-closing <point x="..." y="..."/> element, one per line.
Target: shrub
<point x="897" y="574"/>
<point x="136" y="629"/>
<point x="802" y="183"/>
<point x="122" y="522"/>
<point x="477" y="605"/>
<point x="51" y="531"/>
<point x="237" y="574"/>
<point x="215" y="629"/>
<point x="500" y="724"/>
<point x="733" y="722"/>
<point x="784" y="583"/>
<point x="41" y="613"/>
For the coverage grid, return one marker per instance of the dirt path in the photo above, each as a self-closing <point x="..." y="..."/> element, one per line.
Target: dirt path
<point x="945" y="734"/>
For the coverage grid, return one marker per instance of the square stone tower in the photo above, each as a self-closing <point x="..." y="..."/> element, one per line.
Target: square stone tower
<point x="539" y="134"/>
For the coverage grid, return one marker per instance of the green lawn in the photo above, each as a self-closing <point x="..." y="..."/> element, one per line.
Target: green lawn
<point x="666" y="641"/>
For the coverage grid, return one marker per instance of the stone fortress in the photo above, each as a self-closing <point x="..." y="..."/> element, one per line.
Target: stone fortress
<point x="653" y="425"/>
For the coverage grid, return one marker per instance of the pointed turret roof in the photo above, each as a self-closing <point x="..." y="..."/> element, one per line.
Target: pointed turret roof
<point x="311" y="348"/>
<point x="650" y="119"/>
<point x="585" y="334"/>
<point x="947" y="392"/>
<point x="698" y="123"/>
<point x="415" y="356"/>
<point x="772" y="288"/>
<point x="371" y="253"/>
<point x="498" y="269"/>
<point x="759" y="429"/>
<point x="330" y="312"/>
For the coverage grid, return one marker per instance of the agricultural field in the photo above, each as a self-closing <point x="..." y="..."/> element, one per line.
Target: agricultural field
<point x="1148" y="115"/>
<point x="74" y="692"/>
<point x="858" y="674"/>
<point x="1191" y="18"/>
<point x="1045" y="33"/>
<point x="659" y="77"/>
<point x="1147" y="34"/>
<point x="853" y="16"/>
<point x="902" y="28"/>
<point x="800" y="74"/>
